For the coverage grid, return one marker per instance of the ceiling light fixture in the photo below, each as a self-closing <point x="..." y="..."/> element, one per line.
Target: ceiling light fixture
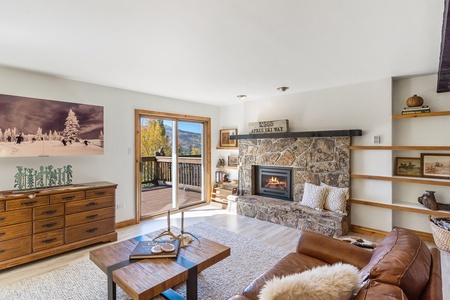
<point x="283" y="88"/>
<point x="241" y="97"/>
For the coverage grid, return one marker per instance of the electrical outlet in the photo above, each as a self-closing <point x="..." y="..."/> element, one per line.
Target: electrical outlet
<point x="376" y="139"/>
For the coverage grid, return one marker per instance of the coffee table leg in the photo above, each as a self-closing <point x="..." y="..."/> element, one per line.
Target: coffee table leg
<point x="111" y="288"/>
<point x="192" y="284"/>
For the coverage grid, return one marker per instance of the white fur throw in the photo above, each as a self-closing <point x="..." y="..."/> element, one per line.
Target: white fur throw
<point x="335" y="282"/>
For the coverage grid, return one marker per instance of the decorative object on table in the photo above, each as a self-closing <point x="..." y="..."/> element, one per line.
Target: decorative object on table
<point x="156" y="249"/>
<point x="415" y="106"/>
<point x="435" y="165"/>
<point x="168" y="231"/>
<point x="408" y="166"/>
<point x="233" y="160"/>
<point x="440" y="227"/>
<point x="37" y="127"/>
<point x="275" y="126"/>
<point x="185" y="235"/>
<point x="225" y="140"/>
<point x="29" y="178"/>
<point x="429" y="201"/>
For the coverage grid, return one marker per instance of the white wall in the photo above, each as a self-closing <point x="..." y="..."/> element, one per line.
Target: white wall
<point x="117" y="164"/>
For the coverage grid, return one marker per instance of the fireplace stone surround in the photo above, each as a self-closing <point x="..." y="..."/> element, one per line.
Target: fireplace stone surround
<point x="313" y="160"/>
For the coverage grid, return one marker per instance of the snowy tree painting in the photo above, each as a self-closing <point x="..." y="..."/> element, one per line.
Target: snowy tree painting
<point x="37" y="127"/>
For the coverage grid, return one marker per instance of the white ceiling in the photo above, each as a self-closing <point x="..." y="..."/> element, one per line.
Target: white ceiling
<point x="211" y="51"/>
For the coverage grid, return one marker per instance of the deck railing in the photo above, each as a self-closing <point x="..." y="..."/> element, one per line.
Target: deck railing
<point x="156" y="170"/>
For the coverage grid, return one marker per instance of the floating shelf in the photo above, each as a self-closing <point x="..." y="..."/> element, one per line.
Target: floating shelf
<point x="402" y="179"/>
<point x="422" y="115"/>
<point x="325" y="133"/>
<point x="227" y="148"/>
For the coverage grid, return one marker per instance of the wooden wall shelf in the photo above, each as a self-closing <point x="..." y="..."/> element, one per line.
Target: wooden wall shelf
<point x="402" y="179"/>
<point x="405" y="206"/>
<point x="422" y="115"/>
<point x="324" y="133"/>
<point x="438" y="148"/>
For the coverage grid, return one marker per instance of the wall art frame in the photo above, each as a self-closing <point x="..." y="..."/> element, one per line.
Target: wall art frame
<point x="225" y="140"/>
<point x="408" y="166"/>
<point x="435" y="165"/>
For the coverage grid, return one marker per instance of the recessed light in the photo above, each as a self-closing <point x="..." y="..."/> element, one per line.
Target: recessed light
<point x="242" y="96"/>
<point x="283" y="88"/>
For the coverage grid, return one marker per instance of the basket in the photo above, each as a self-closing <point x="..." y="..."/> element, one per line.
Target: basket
<point x="441" y="237"/>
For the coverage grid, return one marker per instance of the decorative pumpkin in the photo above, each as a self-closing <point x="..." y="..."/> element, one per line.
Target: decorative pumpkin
<point x="414" y="101"/>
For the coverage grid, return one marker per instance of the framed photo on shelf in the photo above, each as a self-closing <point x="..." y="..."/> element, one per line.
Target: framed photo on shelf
<point x="408" y="166"/>
<point x="225" y="140"/>
<point x="435" y="165"/>
<point x="233" y="160"/>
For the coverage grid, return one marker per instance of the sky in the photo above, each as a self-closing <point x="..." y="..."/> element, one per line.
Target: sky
<point x="186" y="126"/>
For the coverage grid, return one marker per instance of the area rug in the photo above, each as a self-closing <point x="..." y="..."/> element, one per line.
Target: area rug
<point x="84" y="280"/>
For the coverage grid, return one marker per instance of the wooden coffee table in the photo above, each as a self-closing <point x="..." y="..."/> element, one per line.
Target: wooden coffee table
<point x="147" y="278"/>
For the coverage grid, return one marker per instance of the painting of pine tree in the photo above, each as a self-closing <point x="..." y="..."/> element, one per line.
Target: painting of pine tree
<point x="38" y="127"/>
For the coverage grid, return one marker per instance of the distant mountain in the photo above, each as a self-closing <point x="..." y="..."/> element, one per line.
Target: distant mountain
<point x="186" y="138"/>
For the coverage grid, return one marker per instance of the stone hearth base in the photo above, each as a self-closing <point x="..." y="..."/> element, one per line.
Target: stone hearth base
<point x="293" y="215"/>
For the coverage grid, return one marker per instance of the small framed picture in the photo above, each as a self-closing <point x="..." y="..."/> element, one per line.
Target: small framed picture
<point x="233" y="160"/>
<point x="435" y="165"/>
<point x="408" y="166"/>
<point x="225" y="140"/>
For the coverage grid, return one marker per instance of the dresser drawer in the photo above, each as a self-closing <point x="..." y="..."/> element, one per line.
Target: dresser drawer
<point x="48" y="240"/>
<point x="64" y="197"/>
<point x="26" y="202"/>
<point x="48" y="211"/>
<point x="96" y="193"/>
<point x="90" y="216"/>
<point x="15" y="248"/>
<point x="89" y="230"/>
<point x="15" y="231"/>
<point x="88" y="204"/>
<point x="15" y="217"/>
<point x="48" y="224"/>
<point x="2" y="206"/>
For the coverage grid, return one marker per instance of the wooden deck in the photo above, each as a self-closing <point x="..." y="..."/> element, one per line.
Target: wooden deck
<point x="158" y="199"/>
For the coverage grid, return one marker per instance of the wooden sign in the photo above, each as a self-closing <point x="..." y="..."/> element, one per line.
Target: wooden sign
<point x="268" y="127"/>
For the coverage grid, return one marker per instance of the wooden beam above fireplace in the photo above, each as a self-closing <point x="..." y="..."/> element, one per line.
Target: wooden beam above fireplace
<point x="323" y="133"/>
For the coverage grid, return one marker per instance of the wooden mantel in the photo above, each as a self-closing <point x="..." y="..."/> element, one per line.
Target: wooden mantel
<point x="323" y="133"/>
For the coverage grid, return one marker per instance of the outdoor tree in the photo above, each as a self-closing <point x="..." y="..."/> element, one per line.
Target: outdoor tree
<point x="153" y="138"/>
<point x="72" y="130"/>
<point x="39" y="134"/>
<point x="101" y="138"/>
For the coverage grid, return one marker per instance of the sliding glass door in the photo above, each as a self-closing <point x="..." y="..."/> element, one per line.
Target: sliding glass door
<point x="171" y="161"/>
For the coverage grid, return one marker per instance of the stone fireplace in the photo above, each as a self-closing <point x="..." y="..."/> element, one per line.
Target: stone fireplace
<point x="273" y="182"/>
<point x="314" y="160"/>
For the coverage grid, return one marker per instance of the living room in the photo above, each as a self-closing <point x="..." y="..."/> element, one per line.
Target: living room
<point x="365" y="102"/>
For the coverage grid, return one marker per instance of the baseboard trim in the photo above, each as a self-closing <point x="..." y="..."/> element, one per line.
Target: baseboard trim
<point x="126" y="223"/>
<point x="428" y="237"/>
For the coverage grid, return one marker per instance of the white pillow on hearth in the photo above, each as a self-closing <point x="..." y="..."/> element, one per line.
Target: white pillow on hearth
<point x="314" y="196"/>
<point x="336" y="199"/>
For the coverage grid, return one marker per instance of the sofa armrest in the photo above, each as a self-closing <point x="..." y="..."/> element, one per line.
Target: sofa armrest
<point x="331" y="250"/>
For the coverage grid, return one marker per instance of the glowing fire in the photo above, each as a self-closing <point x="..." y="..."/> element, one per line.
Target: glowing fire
<point x="275" y="183"/>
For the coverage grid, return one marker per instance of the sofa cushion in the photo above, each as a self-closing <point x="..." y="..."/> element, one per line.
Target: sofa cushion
<point x="314" y="196"/>
<point x="401" y="259"/>
<point x="337" y="281"/>
<point x="291" y="263"/>
<point x="378" y="290"/>
<point x="336" y="199"/>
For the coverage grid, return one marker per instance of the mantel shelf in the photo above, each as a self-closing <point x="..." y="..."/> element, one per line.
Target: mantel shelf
<point x="439" y="148"/>
<point x="324" y="133"/>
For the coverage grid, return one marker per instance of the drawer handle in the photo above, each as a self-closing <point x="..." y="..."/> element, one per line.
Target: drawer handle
<point x="92" y="216"/>
<point x="2" y="233"/>
<point x="28" y="203"/>
<point x="68" y="197"/>
<point x="48" y="241"/>
<point x="91" y="203"/>
<point x="1" y="250"/>
<point x="92" y="230"/>
<point x="49" y="212"/>
<point x="100" y="193"/>
<point x="49" y="225"/>
<point x="2" y="219"/>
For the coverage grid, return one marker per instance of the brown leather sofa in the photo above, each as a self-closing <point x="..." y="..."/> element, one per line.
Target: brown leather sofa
<point x="401" y="267"/>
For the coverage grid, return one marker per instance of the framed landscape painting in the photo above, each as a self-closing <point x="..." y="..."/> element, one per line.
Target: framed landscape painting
<point x="435" y="165"/>
<point x="408" y="166"/>
<point x="38" y="127"/>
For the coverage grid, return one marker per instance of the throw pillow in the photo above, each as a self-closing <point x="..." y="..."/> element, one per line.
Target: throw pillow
<point x="335" y="282"/>
<point x="314" y="196"/>
<point x="336" y="198"/>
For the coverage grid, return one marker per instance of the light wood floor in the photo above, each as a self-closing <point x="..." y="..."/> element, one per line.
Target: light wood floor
<point x="264" y="231"/>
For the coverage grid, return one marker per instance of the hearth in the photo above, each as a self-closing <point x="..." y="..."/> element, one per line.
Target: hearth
<point x="273" y="182"/>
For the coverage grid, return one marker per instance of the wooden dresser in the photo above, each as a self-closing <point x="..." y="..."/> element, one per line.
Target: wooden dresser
<point x="40" y="223"/>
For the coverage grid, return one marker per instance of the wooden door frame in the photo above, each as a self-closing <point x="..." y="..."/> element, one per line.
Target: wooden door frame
<point x="206" y="168"/>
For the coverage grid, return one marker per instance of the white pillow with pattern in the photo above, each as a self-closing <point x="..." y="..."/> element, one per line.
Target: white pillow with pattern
<point x="336" y="199"/>
<point x="314" y="196"/>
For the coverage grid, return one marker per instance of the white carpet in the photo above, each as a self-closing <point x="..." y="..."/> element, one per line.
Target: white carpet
<point x="84" y="280"/>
